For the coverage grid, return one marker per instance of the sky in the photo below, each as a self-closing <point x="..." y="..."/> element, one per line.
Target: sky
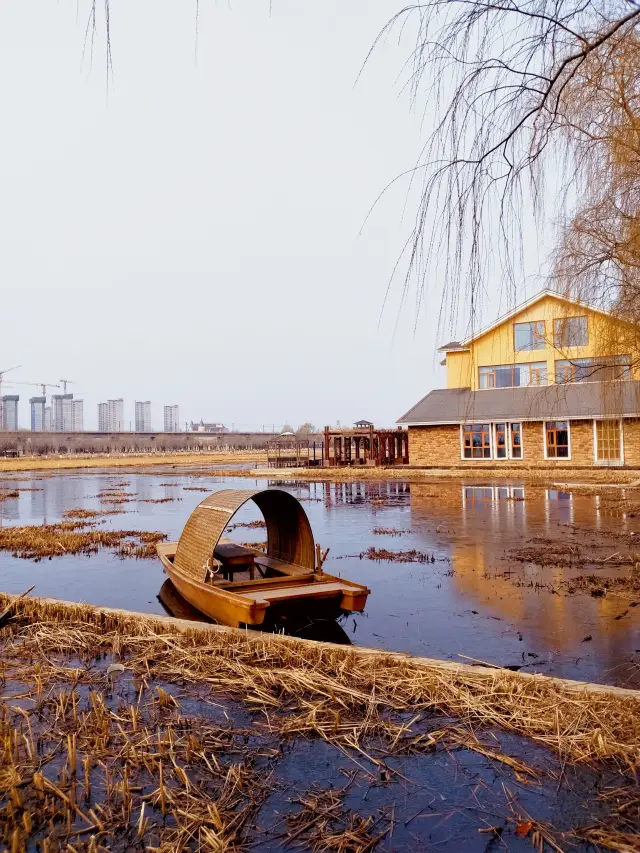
<point x="193" y="227"/>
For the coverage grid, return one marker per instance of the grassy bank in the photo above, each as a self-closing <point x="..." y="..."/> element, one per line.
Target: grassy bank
<point x="120" y="731"/>
<point x="128" y="460"/>
<point x="568" y="476"/>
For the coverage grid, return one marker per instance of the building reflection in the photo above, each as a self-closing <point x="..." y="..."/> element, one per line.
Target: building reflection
<point x="479" y="527"/>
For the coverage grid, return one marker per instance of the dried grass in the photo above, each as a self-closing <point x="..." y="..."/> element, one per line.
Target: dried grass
<point x="410" y="556"/>
<point x="389" y="531"/>
<point x="341" y="694"/>
<point x="251" y="525"/>
<point x="34" y="542"/>
<point x="158" y="500"/>
<point x="5" y="496"/>
<point x="80" y="513"/>
<point x="83" y="769"/>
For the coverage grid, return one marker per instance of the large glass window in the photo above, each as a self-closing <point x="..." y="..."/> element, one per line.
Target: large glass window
<point x="593" y="369"/>
<point x="529" y="336"/>
<point x="513" y="375"/>
<point x="477" y="441"/>
<point x="570" y="332"/>
<point x="608" y="441"/>
<point x="557" y="439"/>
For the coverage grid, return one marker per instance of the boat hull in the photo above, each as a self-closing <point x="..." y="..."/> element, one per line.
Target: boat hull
<point x="330" y="597"/>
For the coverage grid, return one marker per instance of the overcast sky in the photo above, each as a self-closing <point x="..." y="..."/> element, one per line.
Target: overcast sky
<point x="193" y="235"/>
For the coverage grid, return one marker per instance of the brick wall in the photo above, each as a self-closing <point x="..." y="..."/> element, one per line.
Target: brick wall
<point x="439" y="446"/>
<point x="631" y="439"/>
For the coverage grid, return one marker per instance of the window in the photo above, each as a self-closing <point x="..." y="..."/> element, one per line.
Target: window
<point x="557" y="439"/>
<point x="516" y="441"/>
<point x="501" y="441"/>
<point x="513" y="375"/>
<point x="529" y="336"/>
<point x="477" y="441"/>
<point x="570" y="332"/>
<point x="593" y="369"/>
<point x="608" y="444"/>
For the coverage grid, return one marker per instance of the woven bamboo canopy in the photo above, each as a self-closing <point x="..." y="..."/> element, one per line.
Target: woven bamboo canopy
<point x="289" y="535"/>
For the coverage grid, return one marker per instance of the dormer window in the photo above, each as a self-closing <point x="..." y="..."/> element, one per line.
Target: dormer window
<point x="529" y="336"/>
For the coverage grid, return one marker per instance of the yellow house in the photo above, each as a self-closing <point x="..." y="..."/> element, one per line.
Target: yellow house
<point x="553" y="382"/>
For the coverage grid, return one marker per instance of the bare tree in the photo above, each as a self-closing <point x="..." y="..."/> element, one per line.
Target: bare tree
<point x="496" y="76"/>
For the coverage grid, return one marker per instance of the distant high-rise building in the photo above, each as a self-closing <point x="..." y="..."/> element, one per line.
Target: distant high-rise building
<point x="77" y="415"/>
<point x="103" y="417"/>
<point x="37" y="414"/>
<point x="111" y="416"/>
<point x="62" y="412"/>
<point x="48" y="419"/>
<point x="171" y="419"/>
<point x="143" y="416"/>
<point x="9" y="411"/>
<point x="116" y="415"/>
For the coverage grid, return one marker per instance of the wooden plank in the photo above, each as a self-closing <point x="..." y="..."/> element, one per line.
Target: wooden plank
<point x="316" y="590"/>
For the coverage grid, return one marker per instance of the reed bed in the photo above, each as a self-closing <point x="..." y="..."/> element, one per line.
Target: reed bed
<point x="159" y="500"/>
<point x="13" y="493"/>
<point x="389" y="531"/>
<point x="35" y="542"/>
<point x="384" y="554"/>
<point x="95" y="767"/>
<point x="80" y="513"/>
<point x="326" y="688"/>
<point x="251" y="525"/>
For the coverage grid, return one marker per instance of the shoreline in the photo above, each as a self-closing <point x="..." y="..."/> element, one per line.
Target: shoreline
<point x="124" y="460"/>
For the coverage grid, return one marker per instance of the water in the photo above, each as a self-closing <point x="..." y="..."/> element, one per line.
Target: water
<point x="474" y="602"/>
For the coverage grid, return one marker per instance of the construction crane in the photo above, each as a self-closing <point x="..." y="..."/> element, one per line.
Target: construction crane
<point x="43" y="385"/>
<point x="65" y="382"/>
<point x="2" y="373"/>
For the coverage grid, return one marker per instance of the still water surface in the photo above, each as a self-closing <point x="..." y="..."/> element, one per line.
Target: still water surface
<point x="474" y="601"/>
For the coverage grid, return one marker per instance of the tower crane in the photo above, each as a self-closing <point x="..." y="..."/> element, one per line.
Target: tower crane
<point x="65" y="382"/>
<point x="2" y="373"/>
<point x="43" y="385"/>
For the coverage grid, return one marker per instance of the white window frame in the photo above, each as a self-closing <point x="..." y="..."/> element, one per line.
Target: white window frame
<point x="493" y="443"/>
<point x="495" y="494"/>
<point x="509" y="456"/>
<point x="613" y="463"/>
<point x="544" y="439"/>
<point x="489" y="458"/>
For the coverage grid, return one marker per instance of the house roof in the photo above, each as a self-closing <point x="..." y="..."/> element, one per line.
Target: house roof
<point x="550" y="402"/>
<point x="366" y="423"/>
<point x="452" y="346"/>
<point x="455" y="345"/>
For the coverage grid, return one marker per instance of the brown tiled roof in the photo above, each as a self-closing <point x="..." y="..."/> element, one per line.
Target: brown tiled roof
<point x="551" y="402"/>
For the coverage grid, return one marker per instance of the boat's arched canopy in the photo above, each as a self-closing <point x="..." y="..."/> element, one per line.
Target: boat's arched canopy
<point x="289" y="535"/>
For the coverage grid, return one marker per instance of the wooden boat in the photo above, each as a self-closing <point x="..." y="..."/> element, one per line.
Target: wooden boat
<point x="238" y="585"/>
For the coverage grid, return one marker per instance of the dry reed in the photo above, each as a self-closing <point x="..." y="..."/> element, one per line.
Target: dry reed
<point x="80" y="513"/>
<point x="327" y="689"/>
<point x="84" y="769"/>
<point x="34" y="542"/>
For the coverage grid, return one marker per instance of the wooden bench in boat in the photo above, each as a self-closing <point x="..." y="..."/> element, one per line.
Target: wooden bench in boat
<point x="319" y="589"/>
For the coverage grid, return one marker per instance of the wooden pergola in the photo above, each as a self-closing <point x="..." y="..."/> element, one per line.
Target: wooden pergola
<point x="365" y="446"/>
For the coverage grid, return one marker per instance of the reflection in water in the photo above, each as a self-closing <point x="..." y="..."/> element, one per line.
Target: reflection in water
<point x="474" y="601"/>
<point x="323" y="630"/>
<point x="532" y="599"/>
